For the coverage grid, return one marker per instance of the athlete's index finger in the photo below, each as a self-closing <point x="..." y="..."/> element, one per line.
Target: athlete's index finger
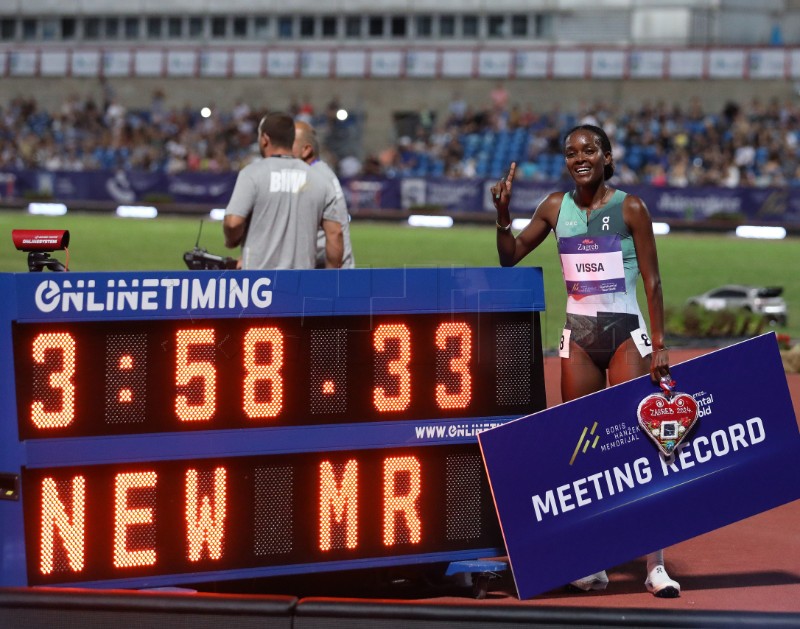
<point x="512" y="169"/>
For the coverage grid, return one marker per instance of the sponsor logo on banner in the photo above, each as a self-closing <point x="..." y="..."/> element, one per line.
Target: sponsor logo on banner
<point x="119" y="188"/>
<point x="584" y="441"/>
<point x="151" y="294"/>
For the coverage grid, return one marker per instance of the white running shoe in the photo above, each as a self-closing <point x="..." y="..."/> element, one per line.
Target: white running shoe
<point x="659" y="583"/>
<point x="596" y="581"/>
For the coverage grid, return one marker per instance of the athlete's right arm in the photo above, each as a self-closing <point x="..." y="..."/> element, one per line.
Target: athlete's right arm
<point x="512" y="249"/>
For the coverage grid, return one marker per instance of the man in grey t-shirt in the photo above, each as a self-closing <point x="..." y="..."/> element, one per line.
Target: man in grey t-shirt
<point x="306" y="147"/>
<point x="278" y="203"/>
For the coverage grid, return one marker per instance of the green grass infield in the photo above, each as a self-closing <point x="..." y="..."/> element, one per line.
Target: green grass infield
<point x="690" y="263"/>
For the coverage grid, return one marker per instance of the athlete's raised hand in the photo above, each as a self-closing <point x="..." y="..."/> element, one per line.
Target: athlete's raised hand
<point x="501" y="191"/>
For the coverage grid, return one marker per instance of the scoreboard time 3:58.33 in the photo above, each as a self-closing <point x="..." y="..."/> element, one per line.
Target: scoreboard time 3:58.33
<point x="175" y="427"/>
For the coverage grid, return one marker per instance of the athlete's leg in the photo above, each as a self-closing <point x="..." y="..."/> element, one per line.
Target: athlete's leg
<point x="626" y="364"/>
<point x="658" y="581"/>
<point x="579" y="374"/>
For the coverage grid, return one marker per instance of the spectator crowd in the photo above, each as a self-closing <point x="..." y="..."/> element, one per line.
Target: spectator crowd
<point x="681" y="144"/>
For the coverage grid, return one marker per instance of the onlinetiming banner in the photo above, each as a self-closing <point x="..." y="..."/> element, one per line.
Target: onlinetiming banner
<point x="580" y="488"/>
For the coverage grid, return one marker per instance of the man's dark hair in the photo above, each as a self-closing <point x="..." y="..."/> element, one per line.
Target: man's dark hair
<point x="605" y="144"/>
<point x="280" y="129"/>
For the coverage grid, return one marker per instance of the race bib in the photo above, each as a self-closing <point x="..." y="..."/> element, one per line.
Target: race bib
<point x="592" y="265"/>
<point x="643" y="342"/>
<point x="563" y="346"/>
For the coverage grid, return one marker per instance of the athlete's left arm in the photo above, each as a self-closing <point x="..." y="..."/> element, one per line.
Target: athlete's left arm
<point x="638" y="220"/>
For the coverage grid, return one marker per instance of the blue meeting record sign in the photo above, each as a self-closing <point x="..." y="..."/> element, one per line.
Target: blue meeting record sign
<point x="580" y="488"/>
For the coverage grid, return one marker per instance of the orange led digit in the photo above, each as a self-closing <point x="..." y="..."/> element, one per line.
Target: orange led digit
<point x="263" y="379"/>
<point x="160" y="376"/>
<point x="458" y="365"/>
<point x="55" y="518"/>
<point x="205" y="524"/>
<point x="402" y="485"/>
<point x="64" y="343"/>
<point x="337" y="503"/>
<point x="126" y="517"/>
<point x="398" y="367"/>
<point x="186" y="370"/>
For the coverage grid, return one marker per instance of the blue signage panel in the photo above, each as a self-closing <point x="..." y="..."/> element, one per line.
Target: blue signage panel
<point x="181" y="294"/>
<point x="580" y="488"/>
<point x="162" y="428"/>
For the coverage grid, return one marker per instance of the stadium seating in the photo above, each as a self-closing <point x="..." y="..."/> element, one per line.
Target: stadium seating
<point x="84" y="136"/>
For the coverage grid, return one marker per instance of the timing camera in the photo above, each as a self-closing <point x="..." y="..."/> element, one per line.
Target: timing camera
<point x="199" y="259"/>
<point x="40" y="239"/>
<point x="40" y="243"/>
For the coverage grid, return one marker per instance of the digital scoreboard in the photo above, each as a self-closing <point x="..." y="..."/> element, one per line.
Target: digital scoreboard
<point x="174" y="427"/>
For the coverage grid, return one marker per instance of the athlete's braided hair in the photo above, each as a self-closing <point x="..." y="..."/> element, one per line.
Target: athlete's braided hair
<point x="605" y="144"/>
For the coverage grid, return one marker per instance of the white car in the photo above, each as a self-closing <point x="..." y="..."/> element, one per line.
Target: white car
<point x="766" y="301"/>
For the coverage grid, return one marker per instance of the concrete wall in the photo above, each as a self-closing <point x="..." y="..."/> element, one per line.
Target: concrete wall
<point x="666" y="22"/>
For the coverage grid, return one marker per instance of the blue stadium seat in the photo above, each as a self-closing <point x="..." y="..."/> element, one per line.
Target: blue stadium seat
<point x="498" y="170"/>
